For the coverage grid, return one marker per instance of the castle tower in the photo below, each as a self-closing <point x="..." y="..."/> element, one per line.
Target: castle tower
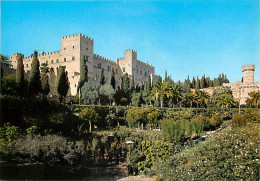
<point x="248" y="73"/>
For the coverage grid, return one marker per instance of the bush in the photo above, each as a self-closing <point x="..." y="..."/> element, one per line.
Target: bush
<point x="49" y="148"/>
<point x="238" y="120"/>
<point x="9" y="133"/>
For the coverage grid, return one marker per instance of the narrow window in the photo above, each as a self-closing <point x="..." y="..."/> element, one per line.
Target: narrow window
<point x="73" y="47"/>
<point x="75" y="85"/>
<point x="87" y="48"/>
<point x="86" y="58"/>
<point x="64" y="48"/>
<point x="73" y="58"/>
<point x="99" y="65"/>
<point x="57" y="60"/>
<point x="108" y="68"/>
<point x="26" y="65"/>
<point x="64" y="59"/>
<point x="51" y="61"/>
<point x="123" y="69"/>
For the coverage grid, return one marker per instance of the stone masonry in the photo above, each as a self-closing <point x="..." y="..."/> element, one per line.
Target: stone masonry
<point x="77" y="46"/>
<point x="241" y="90"/>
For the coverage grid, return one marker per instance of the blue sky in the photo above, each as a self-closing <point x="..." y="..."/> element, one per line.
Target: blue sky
<point x="183" y="37"/>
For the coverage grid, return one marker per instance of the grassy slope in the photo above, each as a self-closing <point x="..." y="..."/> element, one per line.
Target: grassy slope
<point x="232" y="154"/>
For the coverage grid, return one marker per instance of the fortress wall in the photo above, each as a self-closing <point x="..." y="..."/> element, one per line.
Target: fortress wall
<point x="102" y="62"/>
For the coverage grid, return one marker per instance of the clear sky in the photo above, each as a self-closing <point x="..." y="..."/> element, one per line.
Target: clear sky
<point x="183" y="37"/>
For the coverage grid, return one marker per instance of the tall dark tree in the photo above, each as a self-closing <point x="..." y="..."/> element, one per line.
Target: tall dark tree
<point x="197" y="86"/>
<point x="62" y="83"/>
<point x="166" y="76"/>
<point x="148" y="86"/>
<point x="203" y="82"/>
<point x="112" y="78"/>
<point x="132" y="85"/>
<point x="101" y="78"/>
<point x="126" y="83"/>
<point x="83" y="72"/>
<point x="193" y="83"/>
<point x="45" y="79"/>
<point x="188" y="85"/>
<point x="20" y="75"/>
<point x="35" y="82"/>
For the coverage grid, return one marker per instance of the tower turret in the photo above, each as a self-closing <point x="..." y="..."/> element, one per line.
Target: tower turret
<point x="248" y="73"/>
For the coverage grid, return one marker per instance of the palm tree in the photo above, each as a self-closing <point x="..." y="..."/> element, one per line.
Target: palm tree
<point x="176" y="94"/>
<point x="4" y="60"/>
<point x="225" y="101"/>
<point x="202" y="97"/>
<point x="255" y="99"/>
<point x="160" y="91"/>
<point x="189" y="100"/>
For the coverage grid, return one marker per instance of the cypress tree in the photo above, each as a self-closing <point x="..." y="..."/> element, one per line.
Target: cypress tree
<point x="62" y="83"/>
<point x="101" y="78"/>
<point x="83" y="73"/>
<point x="45" y="79"/>
<point x="197" y="86"/>
<point x="166" y="76"/>
<point x="202" y="82"/>
<point x="112" y="79"/>
<point x="35" y="82"/>
<point x="188" y="85"/>
<point x="193" y="83"/>
<point x="132" y="85"/>
<point x="126" y="83"/>
<point x="148" y="86"/>
<point x="20" y="75"/>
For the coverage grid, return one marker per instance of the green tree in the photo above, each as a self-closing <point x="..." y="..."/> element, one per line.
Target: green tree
<point x="202" y="98"/>
<point x="126" y="83"/>
<point x="160" y="91"/>
<point x="203" y="82"/>
<point x="176" y="94"/>
<point x="20" y="75"/>
<point x="101" y="78"/>
<point x="45" y="79"/>
<point x="132" y="85"/>
<point x="254" y="99"/>
<point x="62" y="83"/>
<point x="4" y="60"/>
<point x="35" y="82"/>
<point x="107" y="91"/>
<point x="189" y="100"/>
<point x="197" y="85"/>
<point x="89" y="114"/>
<point x="136" y="99"/>
<point x="222" y="97"/>
<point x="89" y="94"/>
<point x="193" y="83"/>
<point x="112" y="79"/>
<point x="148" y="85"/>
<point x="83" y="72"/>
<point x="225" y="101"/>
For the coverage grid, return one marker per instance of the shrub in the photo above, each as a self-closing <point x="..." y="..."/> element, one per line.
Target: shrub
<point x="238" y="120"/>
<point x="49" y="148"/>
<point x="9" y="133"/>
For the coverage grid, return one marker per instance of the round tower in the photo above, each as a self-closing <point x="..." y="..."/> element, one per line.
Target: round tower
<point x="248" y="73"/>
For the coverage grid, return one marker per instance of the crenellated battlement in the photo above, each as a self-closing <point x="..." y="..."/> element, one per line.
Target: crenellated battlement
<point x="145" y="63"/>
<point x="77" y="35"/>
<point x="106" y="59"/>
<point x="248" y="67"/>
<point x="130" y="50"/>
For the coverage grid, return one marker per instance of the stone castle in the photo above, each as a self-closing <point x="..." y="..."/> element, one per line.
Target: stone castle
<point x="241" y="89"/>
<point x="77" y="46"/>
